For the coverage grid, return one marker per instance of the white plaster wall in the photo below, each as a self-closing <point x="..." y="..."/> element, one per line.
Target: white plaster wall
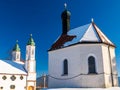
<point x="114" y="70"/>
<point x="31" y="76"/>
<point x="108" y="80"/>
<point x="81" y="81"/>
<point x="113" y="60"/>
<point x="32" y="66"/>
<point x="77" y="57"/>
<point x="30" y="52"/>
<point x="106" y="66"/>
<point x="106" y="59"/>
<point x="19" y="84"/>
<point x="16" y="55"/>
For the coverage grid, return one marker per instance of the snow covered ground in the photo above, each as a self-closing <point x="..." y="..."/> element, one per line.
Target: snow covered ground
<point x="112" y="88"/>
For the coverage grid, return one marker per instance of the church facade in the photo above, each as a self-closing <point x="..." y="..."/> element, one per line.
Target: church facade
<point x="16" y="74"/>
<point x="82" y="57"/>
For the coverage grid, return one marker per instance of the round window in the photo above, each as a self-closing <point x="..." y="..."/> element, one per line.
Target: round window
<point x="4" y="77"/>
<point x="13" y="78"/>
<point x="12" y="86"/>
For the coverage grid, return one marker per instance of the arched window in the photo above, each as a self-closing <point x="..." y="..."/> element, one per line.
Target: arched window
<point x="65" y="67"/>
<point x="91" y="65"/>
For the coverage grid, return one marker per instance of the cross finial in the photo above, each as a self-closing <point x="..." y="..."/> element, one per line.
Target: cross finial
<point x="65" y="5"/>
<point x="92" y="20"/>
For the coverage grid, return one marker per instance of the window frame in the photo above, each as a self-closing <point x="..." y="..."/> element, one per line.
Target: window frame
<point x="65" y="67"/>
<point x="92" y="65"/>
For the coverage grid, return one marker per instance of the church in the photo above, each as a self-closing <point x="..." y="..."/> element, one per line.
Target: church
<point x="16" y="74"/>
<point x="82" y="57"/>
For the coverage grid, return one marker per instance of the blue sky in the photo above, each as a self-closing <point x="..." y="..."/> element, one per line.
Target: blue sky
<point x="42" y="18"/>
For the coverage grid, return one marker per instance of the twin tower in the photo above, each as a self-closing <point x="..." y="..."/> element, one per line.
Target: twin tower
<point x="30" y="62"/>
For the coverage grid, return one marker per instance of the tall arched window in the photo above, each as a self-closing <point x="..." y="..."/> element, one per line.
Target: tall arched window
<point x="91" y="65"/>
<point x="65" y="67"/>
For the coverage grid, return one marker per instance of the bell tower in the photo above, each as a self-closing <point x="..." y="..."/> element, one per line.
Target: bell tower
<point x="16" y="53"/>
<point x="30" y="63"/>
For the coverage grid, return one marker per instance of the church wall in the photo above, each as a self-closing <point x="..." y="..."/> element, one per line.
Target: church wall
<point x="109" y="54"/>
<point x="106" y="66"/>
<point x="77" y="57"/>
<point x="18" y="83"/>
<point x="30" y="52"/>
<point x="114" y="70"/>
<point x="113" y="61"/>
<point x="31" y="65"/>
<point x="31" y="80"/>
<point x="31" y="76"/>
<point x="106" y="60"/>
<point x="81" y="81"/>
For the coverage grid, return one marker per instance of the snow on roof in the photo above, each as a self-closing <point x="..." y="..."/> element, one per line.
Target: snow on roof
<point x="112" y="88"/>
<point x="86" y="33"/>
<point x="10" y="67"/>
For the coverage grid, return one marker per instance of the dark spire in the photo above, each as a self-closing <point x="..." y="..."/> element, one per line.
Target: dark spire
<point x="65" y="20"/>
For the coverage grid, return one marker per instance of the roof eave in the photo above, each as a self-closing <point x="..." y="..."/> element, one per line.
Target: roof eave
<point x="85" y="42"/>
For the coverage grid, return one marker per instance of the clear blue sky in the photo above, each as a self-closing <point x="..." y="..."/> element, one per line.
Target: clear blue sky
<point x="42" y="18"/>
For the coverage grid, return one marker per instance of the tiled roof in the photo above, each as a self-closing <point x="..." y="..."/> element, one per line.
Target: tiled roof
<point x="88" y="33"/>
<point x="62" y="40"/>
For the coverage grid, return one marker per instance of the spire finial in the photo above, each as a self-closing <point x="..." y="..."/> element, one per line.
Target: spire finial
<point x="65" y="5"/>
<point x="31" y="35"/>
<point x="92" y="20"/>
<point x="31" y="41"/>
<point x="16" y="41"/>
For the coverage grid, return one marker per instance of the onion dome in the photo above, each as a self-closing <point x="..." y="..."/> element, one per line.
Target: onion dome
<point x="65" y="16"/>
<point x="31" y="41"/>
<point x="65" y="13"/>
<point x="16" y="47"/>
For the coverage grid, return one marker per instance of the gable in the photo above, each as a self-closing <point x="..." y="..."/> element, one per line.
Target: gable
<point x="90" y="35"/>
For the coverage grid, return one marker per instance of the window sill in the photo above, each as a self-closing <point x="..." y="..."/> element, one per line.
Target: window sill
<point x="92" y="73"/>
<point x="64" y="75"/>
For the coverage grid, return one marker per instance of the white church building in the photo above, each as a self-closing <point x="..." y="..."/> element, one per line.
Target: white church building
<point x="82" y="57"/>
<point x="16" y="74"/>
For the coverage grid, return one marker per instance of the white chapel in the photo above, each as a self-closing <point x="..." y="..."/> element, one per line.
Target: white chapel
<point x="82" y="57"/>
<point x="16" y="74"/>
